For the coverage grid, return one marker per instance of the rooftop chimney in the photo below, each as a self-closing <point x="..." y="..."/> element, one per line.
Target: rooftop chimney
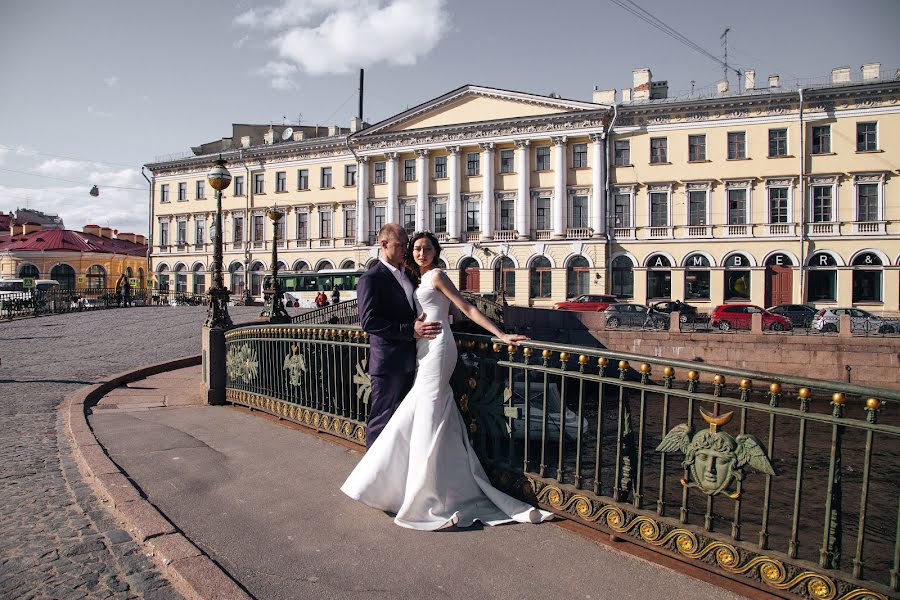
<point x="245" y="141"/>
<point x="333" y="130"/>
<point x="355" y="124"/>
<point x="871" y="71"/>
<point x="299" y="136"/>
<point x="749" y="79"/>
<point x="106" y="232"/>
<point x="269" y="136"/>
<point x="774" y="81"/>
<point x="140" y="239"/>
<point x="840" y="75"/>
<point x="92" y="229"/>
<point x="626" y="95"/>
<point x="642" y="79"/>
<point x="604" y="96"/>
<point x="722" y="86"/>
<point x="30" y="228"/>
<point x="127" y="237"/>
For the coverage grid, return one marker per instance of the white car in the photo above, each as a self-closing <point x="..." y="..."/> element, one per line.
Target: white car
<point x="828" y="320"/>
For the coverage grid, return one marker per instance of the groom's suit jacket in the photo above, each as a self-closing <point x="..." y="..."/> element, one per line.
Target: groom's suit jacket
<point x="385" y="313"/>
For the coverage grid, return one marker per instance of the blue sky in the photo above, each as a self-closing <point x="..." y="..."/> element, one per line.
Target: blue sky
<point x="94" y="89"/>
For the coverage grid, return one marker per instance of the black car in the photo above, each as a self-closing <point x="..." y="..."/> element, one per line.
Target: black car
<point x="800" y="315"/>
<point x="634" y="315"/>
<point x="687" y="313"/>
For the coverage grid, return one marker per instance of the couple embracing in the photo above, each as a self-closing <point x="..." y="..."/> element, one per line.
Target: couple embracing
<point x="420" y="464"/>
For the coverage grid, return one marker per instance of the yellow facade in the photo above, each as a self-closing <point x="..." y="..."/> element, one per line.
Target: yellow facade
<point x="694" y="217"/>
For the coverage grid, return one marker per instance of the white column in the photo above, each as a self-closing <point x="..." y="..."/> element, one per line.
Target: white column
<point x="559" y="188"/>
<point x="487" y="191"/>
<point x="362" y="201"/>
<point x="598" y="183"/>
<point x="424" y="173"/>
<point x="391" y="212"/>
<point x="523" y="199"/>
<point x="453" y="196"/>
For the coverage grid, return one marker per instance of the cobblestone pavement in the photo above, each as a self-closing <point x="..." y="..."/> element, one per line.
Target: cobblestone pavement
<point x="56" y="538"/>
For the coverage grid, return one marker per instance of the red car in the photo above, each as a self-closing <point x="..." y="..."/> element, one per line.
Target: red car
<point x="587" y="302"/>
<point x="737" y="316"/>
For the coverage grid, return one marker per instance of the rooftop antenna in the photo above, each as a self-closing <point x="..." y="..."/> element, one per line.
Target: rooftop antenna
<point x="724" y="38"/>
<point x="692" y="86"/>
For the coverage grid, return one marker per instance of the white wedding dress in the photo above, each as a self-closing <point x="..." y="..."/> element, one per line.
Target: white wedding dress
<point x="422" y="466"/>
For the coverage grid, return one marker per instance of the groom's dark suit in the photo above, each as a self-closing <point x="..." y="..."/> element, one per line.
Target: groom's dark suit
<point x="385" y="313"/>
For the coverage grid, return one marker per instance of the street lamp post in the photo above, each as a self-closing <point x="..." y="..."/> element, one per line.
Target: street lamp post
<point x="274" y="307"/>
<point x="217" y="316"/>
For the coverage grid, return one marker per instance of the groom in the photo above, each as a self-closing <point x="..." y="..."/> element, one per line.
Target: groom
<point x="387" y="312"/>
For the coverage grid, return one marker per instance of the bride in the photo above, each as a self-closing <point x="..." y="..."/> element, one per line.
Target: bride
<point x="422" y="466"/>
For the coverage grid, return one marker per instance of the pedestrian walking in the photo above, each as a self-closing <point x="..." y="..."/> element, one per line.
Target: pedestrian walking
<point x="335" y="295"/>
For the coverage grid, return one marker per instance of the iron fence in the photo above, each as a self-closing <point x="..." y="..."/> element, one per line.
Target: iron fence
<point x="58" y="301"/>
<point x="785" y="483"/>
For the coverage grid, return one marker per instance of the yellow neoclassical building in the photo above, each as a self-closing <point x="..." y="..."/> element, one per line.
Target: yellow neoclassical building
<point x="768" y="194"/>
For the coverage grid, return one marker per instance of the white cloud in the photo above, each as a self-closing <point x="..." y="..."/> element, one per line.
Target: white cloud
<point x="337" y="36"/>
<point x="240" y="43"/>
<point x="99" y="113"/>
<point x="280" y="75"/>
<point x="111" y="81"/>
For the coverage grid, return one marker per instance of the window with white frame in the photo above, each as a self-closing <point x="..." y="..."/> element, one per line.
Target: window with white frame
<point x="182" y="191"/>
<point x="259" y="183"/>
<point x="473" y="164"/>
<point x="659" y="150"/>
<point x="622" y="209"/>
<point x="439" y="217"/>
<point x="542" y="214"/>
<point x="237" y="228"/>
<point x="181" y="233"/>
<point x="696" y="148"/>
<point x="507" y="214"/>
<point x="349" y="222"/>
<point x="579" y="156"/>
<point x="440" y="167"/>
<point x="622" y="153"/>
<point x="409" y="217"/>
<point x="302" y="179"/>
<point x="239" y="185"/>
<point x="867" y="202"/>
<point x="378" y="218"/>
<point x="325" y="175"/>
<point x="778" y="142"/>
<point x="659" y="209"/>
<point x="507" y="161"/>
<point x="201" y="189"/>
<point x="578" y="212"/>
<point x="866" y="137"/>
<point x="259" y="228"/>
<point x="325" y="220"/>
<point x="542" y="158"/>
<point x="163" y="233"/>
<point x="409" y="169"/>
<point x="199" y="232"/>
<point x="821" y="139"/>
<point x="778" y="204"/>
<point x="279" y="230"/>
<point x="822" y="203"/>
<point x="164" y="192"/>
<point x="302" y="226"/>
<point x="473" y="215"/>
<point x="697" y="207"/>
<point x="281" y="181"/>
<point x="378" y="172"/>
<point x="737" y="206"/>
<point x="350" y="175"/>
<point x="737" y="145"/>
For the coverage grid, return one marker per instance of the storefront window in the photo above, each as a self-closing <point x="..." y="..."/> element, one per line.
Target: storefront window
<point x="659" y="277"/>
<point x="867" y="276"/>
<point x="737" y="278"/>
<point x="822" y="280"/>
<point x="623" y="277"/>
<point x="696" y="277"/>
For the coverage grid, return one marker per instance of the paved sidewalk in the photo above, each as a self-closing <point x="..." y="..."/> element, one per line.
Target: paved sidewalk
<point x="262" y="499"/>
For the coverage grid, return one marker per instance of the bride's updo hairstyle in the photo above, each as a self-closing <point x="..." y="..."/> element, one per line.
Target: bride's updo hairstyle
<point x="412" y="269"/>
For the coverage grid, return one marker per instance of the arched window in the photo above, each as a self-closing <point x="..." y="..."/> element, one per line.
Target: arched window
<point x="199" y="279"/>
<point x="29" y="270"/>
<point x="442" y="264"/>
<point x="371" y="263"/>
<point x="659" y="277"/>
<point x="96" y="277"/>
<point x="129" y="272"/>
<point x="281" y="266"/>
<point x="256" y="279"/>
<point x="821" y="278"/>
<point x="142" y="282"/>
<point x="737" y="277"/>
<point x="180" y="279"/>
<point x="236" y="270"/>
<point x="65" y="275"/>
<point x="539" y="278"/>
<point x="578" y="277"/>
<point x="505" y="277"/>
<point x="469" y="275"/>
<point x="348" y="264"/>
<point x="301" y="265"/>
<point x="867" y="277"/>
<point x="324" y="264"/>
<point x="696" y="277"/>
<point x="162" y="277"/>
<point x="622" y="277"/>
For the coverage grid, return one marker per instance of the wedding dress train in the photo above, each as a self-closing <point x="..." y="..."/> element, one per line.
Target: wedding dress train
<point x="422" y="466"/>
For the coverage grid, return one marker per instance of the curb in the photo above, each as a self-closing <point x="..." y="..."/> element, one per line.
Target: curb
<point x="195" y="574"/>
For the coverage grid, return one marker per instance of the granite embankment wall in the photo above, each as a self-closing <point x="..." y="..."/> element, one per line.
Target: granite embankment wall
<point x="873" y="360"/>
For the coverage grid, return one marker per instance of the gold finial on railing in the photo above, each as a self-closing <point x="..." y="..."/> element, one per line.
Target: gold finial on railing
<point x="511" y="350"/>
<point x="602" y="363"/>
<point x="837" y="404"/>
<point x="804" y="394"/>
<point x="668" y="376"/>
<point x="646" y="370"/>
<point x="873" y="405"/>
<point x="693" y="380"/>
<point x="497" y="347"/>
<point x="623" y="368"/>
<point x="545" y="355"/>
<point x="527" y="352"/>
<point x="746" y="386"/>
<point x="718" y="384"/>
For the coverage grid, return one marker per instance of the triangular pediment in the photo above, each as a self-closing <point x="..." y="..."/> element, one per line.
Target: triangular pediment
<point x="473" y="104"/>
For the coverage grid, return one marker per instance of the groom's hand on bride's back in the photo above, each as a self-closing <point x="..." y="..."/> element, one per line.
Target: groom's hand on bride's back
<point x="426" y="329"/>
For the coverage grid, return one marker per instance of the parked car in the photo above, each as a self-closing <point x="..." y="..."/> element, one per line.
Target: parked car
<point x="635" y="315"/>
<point x="800" y="315"/>
<point x="686" y="312"/>
<point x="828" y="320"/>
<point x="738" y="316"/>
<point x="587" y="302"/>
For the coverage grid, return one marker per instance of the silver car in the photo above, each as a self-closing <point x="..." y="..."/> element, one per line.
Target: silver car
<point x="828" y="320"/>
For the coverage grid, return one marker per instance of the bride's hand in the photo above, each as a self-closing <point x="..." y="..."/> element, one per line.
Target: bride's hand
<point x="513" y="339"/>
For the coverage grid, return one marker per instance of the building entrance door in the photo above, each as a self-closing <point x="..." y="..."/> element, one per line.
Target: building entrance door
<point x="469" y="276"/>
<point x="779" y="285"/>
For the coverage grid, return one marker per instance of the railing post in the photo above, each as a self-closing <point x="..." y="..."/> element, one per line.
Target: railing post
<point x="212" y="354"/>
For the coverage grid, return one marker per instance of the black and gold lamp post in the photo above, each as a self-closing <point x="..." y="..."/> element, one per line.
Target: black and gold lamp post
<point x="217" y="317"/>
<point x="274" y="307"/>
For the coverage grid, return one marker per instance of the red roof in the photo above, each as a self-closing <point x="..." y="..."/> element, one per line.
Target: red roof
<point x="72" y="241"/>
<point x="5" y="222"/>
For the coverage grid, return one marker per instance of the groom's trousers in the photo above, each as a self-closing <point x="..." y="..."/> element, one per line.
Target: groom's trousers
<point x="388" y="391"/>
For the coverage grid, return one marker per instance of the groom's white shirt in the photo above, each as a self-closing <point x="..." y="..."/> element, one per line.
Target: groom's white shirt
<point x="403" y="280"/>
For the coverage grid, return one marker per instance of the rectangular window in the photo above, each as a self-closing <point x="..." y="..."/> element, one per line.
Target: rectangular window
<point x="259" y="228"/>
<point x="259" y="184"/>
<point x="542" y="214"/>
<point x="737" y="207"/>
<point x="440" y="218"/>
<point x="622" y="153"/>
<point x="281" y="181"/>
<point x="440" y="167"/>
<point x="659" y="209"/>
<point x="379" y="172"/>
<point x="239" y="185"/>
<point x="543" y="158"/>
<point x="164" y="192"/>
<point x="409" y="169"/>
<point x="199" y="232"/>
<point x="378" y="218"/>
<point x="473" y="164"/>
<point x="778" y="142"/>
<point x="866" y="137"/>
<point x="279" y="230"/>
<point x="579" y="156"/>
<point x="822" y="285"/>
<point x="182" y="191"/>
<point x="507" y="161"/>
<point x="578" y="217"/>
<point x="622" y="210"/>
<point x="237" y="226"/>
<point x="821" y="139"/>
<point x="325" y="224"/>
<point x="349" y="175"/>
<point x="473" y="216"/>
<point x="302" y="179"/>
<point x="325" y="178"/>
<point x="737" y="145"/>
<point x="349" y="222"/>
<point x="302" y="226"/>
<point x="163" y="234"/>
<point x="778" y="205"/>
<point x="697" y="208"/>
<point x="867" y="202"/>
<point x="409" y="218"/>
<point x="821" y="205"/>
<point x="201" y="189"/>
<point x="507" y="214"/>
<point x="659" y="151"/>
<point x="696" y="148"/>
<point x="181" y="233"/>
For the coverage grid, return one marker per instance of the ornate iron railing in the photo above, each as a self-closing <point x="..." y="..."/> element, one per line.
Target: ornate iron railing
<point x="57" y="301"/>
<point x="342" y="313"/>
<point x="783" y="483"/>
